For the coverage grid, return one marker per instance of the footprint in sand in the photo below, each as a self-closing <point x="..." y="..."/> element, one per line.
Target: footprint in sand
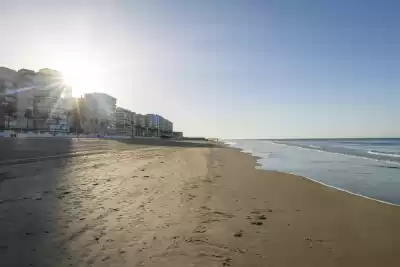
<point x="238" y="233"/>
<point x="257" y="220"/>
<point x="200" y="229"/>
<point x="262" y="217"/>
<point x="223" y="214"/>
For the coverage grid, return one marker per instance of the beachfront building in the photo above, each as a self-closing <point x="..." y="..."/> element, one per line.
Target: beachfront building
<point x="48" y="113"/>
<point x="153" y="124"/>
<point x="10" y="80"/>
<point x="99" y="114"/>
<point x="178" y="135"/>
<point x="124" y="122"/>
<point x="157" y="126"/>
<point x="35" y="98"/>
<point x="140" y="124"/>
<point x="166" y="127"/>
<point x="41" y="101"/>
<point x="136" y="125"/>
<point x="162" y="126"/>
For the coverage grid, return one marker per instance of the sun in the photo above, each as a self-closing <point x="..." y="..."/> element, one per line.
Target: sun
<point x="82" y="76"/>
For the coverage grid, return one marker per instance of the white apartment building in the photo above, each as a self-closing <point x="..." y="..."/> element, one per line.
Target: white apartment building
<point x="37" y="97"/>
<point x="140" y="124"/>
<point x="41" y="101"/>
<point x="158" y="125"/>
<point x="165" y="127"/>
<point x="124" y="122"/>
<point x="99" y="114"/>
<point x="153" y="124"/>
<point x="151" y="121"/>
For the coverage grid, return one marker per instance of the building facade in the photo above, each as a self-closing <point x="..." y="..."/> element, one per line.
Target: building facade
<point x="41" y="101"/>
<point x="99" y="114"/>
<point x="166" y="127"/>
<point x="178" y="135"/>
<point x="140" y="123"/>
<point x="125" y="122"/>
<point x="153" y="123"/>
<point x="36" y="98"/>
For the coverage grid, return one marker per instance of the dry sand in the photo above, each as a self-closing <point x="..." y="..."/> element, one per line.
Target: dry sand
<point x="175" y="206"/>
<point x="306" y="224"/>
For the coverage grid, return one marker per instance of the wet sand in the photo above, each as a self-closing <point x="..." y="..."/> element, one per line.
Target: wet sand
<point x="184" y="206"/>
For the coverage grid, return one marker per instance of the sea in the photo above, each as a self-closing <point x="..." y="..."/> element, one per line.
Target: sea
<point x="365" y="167"/>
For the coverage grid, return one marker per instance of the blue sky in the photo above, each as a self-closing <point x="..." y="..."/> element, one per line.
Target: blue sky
<point x="245" y="69"/>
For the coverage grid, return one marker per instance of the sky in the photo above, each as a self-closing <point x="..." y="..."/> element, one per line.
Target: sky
<point x="223" y="68"/>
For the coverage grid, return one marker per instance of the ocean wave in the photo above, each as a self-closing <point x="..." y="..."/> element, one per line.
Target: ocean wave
<point x="389" y="167"/>
<point x="372" y="152"/>
<point x="307" y="147"/>
<point x="247" y="151"/>
<point x="229" y="143"/>
<point x="332" y="171"/>
<point x="390" y="158"/>
<point x="314" y="146"/>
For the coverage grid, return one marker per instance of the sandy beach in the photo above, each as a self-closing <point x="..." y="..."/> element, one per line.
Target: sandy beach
<point x="184" y="205"/>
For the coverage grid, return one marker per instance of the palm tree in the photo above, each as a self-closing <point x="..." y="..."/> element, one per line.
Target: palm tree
<point x="28" y="114"/>
<point x="67" y="114"/>
<point x="57" y="119"/>
<point x="78" y="119"/>
<point x="106" y="125"/>
<point x="10" y="110"/>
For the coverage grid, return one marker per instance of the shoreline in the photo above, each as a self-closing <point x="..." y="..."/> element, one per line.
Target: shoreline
<point x="342" y="190"/>
<point x="259" y="166"/>
<point x="353" y="228"/>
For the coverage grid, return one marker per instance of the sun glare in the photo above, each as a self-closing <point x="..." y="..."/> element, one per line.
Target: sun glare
<point x="82" y="76"/>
